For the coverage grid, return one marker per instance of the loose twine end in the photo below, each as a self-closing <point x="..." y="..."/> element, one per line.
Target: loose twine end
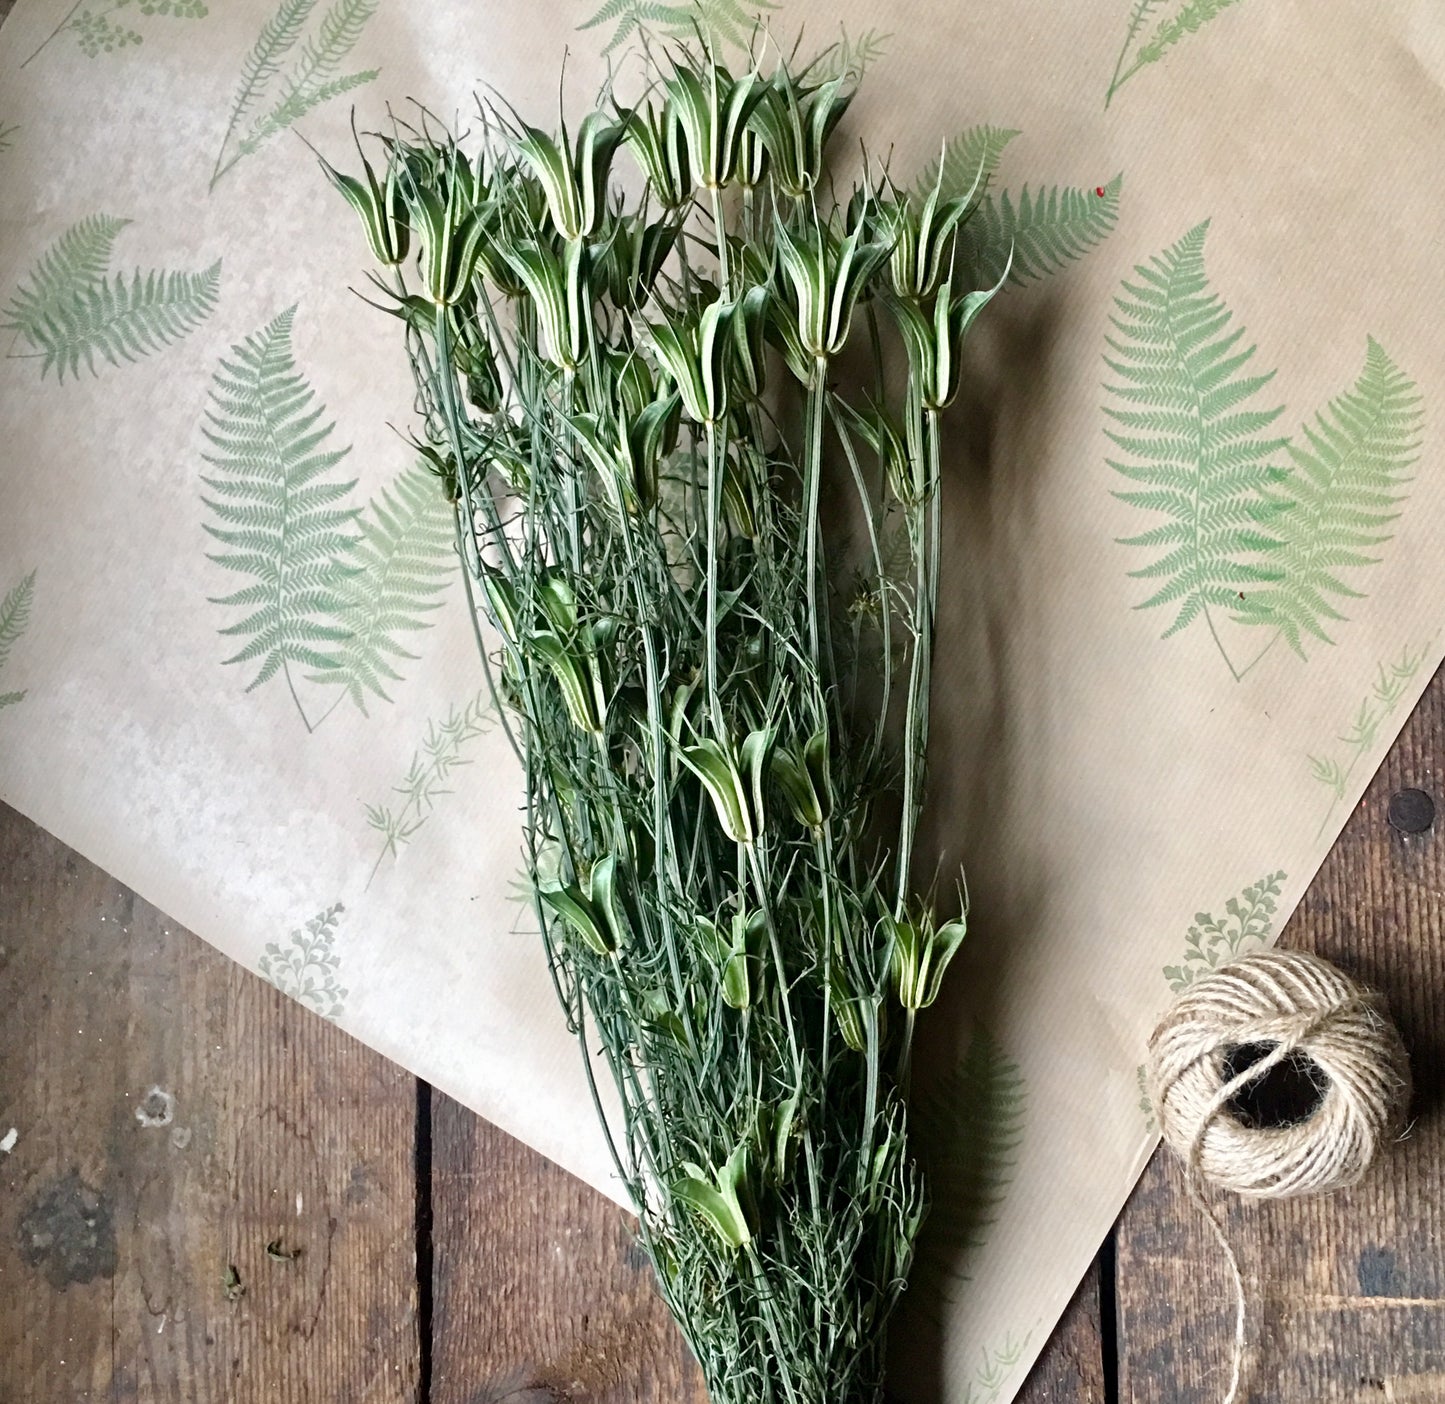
<point x="1223" y="1038"/>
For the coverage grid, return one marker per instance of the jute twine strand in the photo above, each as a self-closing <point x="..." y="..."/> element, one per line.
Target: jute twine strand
<point x="1291" y="1004"/>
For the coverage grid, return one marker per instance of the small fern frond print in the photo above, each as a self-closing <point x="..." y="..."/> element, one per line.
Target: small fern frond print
<point x="268" y="101"/>
<point x="278" y="512"/>
<point x="1350" y="468"/>
<point x="404" y="562"/>
<point x="1043" y="230"/>
<point x="1247" y="923"/>
<point x="307" y="966"/>
<point x="96" y="30"/>
<point x="14" y="620"/>
<point x="69" y="313"/>
<point x="1150" y="35"/>
<point x="970" y="1125"/>
<point x="1190" y="433"/>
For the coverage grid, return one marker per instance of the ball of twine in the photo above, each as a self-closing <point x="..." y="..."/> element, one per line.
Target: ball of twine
<point x="1224" y="1036"/>
<point x="1276" y="1008"/>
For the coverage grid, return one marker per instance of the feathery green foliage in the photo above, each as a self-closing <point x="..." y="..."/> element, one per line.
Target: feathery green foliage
<point x="1247" y="922"/>
<point x="969" y="1126"/>
<point x="1041" y="231"/>
<point x="726" y="21"/>
<point x="1180" y="18"/>
<point x="634" y="396"/>
<point x="69" y="312"/>
<point x="307" y="966"/>
<point x="14" y="620"/>
<point x="312" y="79"/>
<point x="403" y="561"/>
<point x="1350" y="469"/>
<point x="279" y="515"/>
<point x="1180" y="420"/>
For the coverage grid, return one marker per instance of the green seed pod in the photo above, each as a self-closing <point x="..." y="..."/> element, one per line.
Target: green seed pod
<point x="657" y="142"/>
<point x="718" y="1198"/>
<point x="574" y="181"/>
<point x="378" y="205"/>
<point x="921" y="954"/>
<point x="712" y="109"/>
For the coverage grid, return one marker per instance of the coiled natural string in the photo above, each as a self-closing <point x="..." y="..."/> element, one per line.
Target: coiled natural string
<point x="1225" y="1034"/>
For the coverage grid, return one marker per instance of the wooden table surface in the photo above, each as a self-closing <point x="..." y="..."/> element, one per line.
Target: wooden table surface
<point x="212" y="1195"/>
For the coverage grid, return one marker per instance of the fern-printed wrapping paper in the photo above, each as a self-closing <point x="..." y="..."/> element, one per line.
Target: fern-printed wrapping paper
<point x="1102" y="785"/>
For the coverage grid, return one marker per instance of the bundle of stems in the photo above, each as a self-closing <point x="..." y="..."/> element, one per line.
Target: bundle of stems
<point x="630" y="385"/>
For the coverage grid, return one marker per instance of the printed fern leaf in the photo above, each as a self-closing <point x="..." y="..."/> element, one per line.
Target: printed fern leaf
<point x="970" y="1126"/>
<point x="311" y="81"/>
<point x="973" y="155"/>
<point x="279" y="514"/>
<point x="404" y="565"/>
<point x="76" y="261"/>
<point x="1350" y="467"/>
<point x="1247" y="923"/>
<point x="729" y="21"/>
<point x="297" y="105"/>
<point x="1173" y="26"/>
<point x="1044" y="230"/>
<point x="120" y="320"/>
<point x="307" y="967"/>
<point x="14" y="620"/>
<point x="1188" y="440"/>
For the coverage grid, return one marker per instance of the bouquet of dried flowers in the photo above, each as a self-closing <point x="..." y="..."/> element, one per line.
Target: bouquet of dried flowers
<point x="636" y="395"/>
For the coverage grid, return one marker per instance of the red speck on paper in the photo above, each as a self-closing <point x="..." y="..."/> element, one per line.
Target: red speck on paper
<point x="1099" y="190"/>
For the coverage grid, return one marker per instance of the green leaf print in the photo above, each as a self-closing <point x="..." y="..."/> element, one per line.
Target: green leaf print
<point x="1042" y="231"/>
<point x="268" y="100"/>
<point x="1155" y="27"/>
<point x="69" y="311"/>
<point x="441" y="751"/>
<point x="279" y="514"/>
<point x="723" y="21"/>
<point x="404" y="556"/>
<point x="1258" y="530"/>
<point x="1391" y="685"/>
<point x="306" y="966"/>
<point x="1247" y="923"/>
<point x="1350" y="468"/>
<point x="1192" y="440"/>
<point x="14" y="620"/>
<point x="96" y="30"/>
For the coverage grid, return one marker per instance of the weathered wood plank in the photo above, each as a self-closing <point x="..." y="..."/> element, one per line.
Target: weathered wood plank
<point x="1346" y="1294"/>
<point x="173" y="1116"/>
<point x="541" y="1295"/>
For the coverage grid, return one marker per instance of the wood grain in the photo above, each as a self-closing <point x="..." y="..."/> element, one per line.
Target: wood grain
<point x="174" y="1115"/>
<point x="541" y="1294"/>
<point x="1346" y="1294"/>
